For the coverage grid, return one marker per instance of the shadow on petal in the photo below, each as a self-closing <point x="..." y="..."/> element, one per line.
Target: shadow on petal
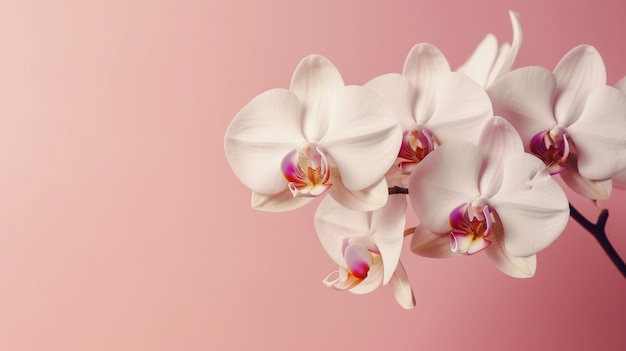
<point x="428" y="244"/>
<point x="516" y="267"/>
<point x="280" y="202"/>
<point x="591" y="189"/>
<point x="368" y="199"/>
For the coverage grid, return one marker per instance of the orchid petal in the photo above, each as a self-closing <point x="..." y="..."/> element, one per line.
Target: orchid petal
<point x="363" y="137"/>
<point x="501" y="58"/>
<point x="578" y="73"/>
<point x="388" y="233"/>
<point x="600" y="134"/>
<point x="516" y="267"/>
<point x="260" y="136"/>
<point x="334" y="224"/>
<point x="367" y="199"/>
<point x="507" y="263"/>
<point x="498" y="141"/>
<point x="532" y="207"/>
<point x="488" y="62"/>
<point x="312" y="82"/>
<point x="462" y="107"/>
<point x="445" y="179"/>
<point x="401" y="288"/>
<point x="480" y="63"/>
<point x="591" y="189"/>
<point x="424" y="66"/>
<point x="524" y="98"/>
<point x="507" y="54"/>
<point x="398" y="92"/>
<point x="428" y="244"/>
<point x="279" y="202"/>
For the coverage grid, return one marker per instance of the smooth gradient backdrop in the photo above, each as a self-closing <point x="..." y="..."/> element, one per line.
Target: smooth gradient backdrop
<point x="123" y="228"/>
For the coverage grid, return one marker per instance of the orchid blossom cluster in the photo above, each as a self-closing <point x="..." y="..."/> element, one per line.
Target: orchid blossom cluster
<point x="474" y="150"/>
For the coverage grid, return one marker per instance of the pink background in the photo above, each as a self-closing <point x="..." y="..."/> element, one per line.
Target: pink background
<point x="123" y="228"/>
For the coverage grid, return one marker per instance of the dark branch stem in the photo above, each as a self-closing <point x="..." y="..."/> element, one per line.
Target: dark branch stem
<point x="598" y="232"/>
<point x="398" y="190"/>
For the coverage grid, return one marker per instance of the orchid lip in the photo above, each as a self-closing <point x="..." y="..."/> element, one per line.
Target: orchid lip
<point x="553" y="148"/>
<point x="307" y="171"/>
<point x="340" y="280"/>
<point x="471" y="226"/>
<point x="359" y="260"/>
<point x="417" y="143"/>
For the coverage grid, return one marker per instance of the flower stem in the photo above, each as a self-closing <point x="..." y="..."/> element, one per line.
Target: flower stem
<point x="398" y="190"/>
<point x="598" y="232"/>
<point x="409" y="231"/>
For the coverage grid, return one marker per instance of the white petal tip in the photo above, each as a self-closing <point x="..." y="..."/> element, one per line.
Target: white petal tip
<point x="401" y="288"/>
<point x="280" y="202"/>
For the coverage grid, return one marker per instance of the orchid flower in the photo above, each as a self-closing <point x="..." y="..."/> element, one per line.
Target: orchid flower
<point x="490" y="197"/>
<point x="290" y="146"/>
<point x="434" y="105"/>
<point x="366" y="246"/>
<point x="488" y="61"/>
<point x="569" y="118"/>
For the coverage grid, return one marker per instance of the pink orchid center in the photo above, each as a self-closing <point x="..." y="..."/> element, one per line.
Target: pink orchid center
<point x="359" y="259"/>
<point x="553" y="148"/>
<point x="307" y="171"/>
<point x="416" y="144"/>
<point x="471" y="225"/>
<point x="360" y="262"/>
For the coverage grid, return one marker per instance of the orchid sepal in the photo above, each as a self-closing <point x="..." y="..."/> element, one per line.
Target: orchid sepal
<point x="401" y="288"/>
<point x="488" y="61"/>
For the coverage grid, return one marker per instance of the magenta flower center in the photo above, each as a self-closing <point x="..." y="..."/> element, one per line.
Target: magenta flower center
<point x="307" y="171"/>
<point x="471" y="226"/>
<point x="553" y="148"/>
<point x="416" y="144"/>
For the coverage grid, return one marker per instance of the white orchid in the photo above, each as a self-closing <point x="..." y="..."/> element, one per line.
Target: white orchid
<point x="492" y="197"/>
<point x="319" y="136"/>
<point x="366" y="246"/>
<point x="488" y="61"/>
<point x="476" y="182"/>
<point x="570" y="119"/>
<point x="434" y="104"/>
